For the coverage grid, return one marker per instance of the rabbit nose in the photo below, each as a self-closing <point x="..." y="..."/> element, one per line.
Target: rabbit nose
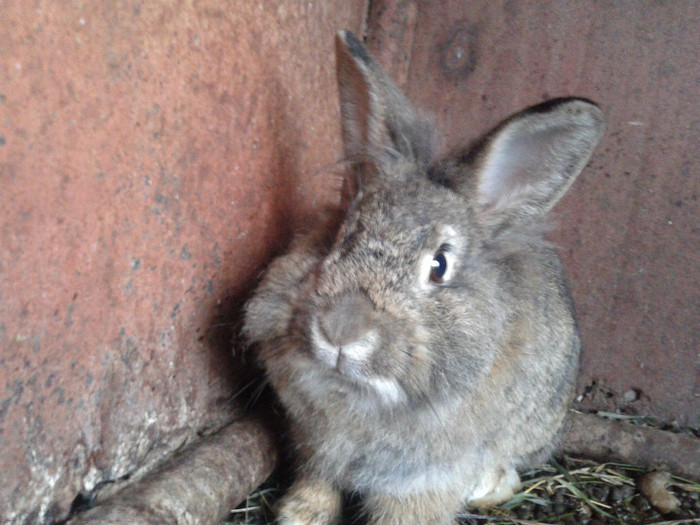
<point x="347" y="320"/>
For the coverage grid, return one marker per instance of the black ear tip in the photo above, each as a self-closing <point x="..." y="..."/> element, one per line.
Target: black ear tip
<point x="583" y="111"/>
<point x="354" y="46"/>
<point x="552" y="104"/>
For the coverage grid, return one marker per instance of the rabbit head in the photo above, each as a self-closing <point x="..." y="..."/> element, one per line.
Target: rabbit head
<point x="436" y="260"/>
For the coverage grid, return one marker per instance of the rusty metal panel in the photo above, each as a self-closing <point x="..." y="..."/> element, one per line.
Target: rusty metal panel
<point x="629" y="226"/>
<point x="152" y="157"/>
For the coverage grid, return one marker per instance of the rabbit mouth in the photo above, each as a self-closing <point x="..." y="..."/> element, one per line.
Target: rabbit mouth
<point x="351" y="361"/>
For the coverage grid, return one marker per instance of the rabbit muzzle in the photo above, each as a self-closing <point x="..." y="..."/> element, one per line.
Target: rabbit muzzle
<point x="344" y="336"/>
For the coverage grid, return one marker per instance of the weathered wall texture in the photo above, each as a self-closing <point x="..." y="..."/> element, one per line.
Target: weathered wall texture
<point x="629" y="226"/>
<point x="153" y="156"/>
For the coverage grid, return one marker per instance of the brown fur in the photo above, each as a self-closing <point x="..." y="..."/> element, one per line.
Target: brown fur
<point x="422" y="390"/>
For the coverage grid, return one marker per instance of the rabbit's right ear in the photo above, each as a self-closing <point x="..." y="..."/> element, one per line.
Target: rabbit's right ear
<point x="523" y="167"/>
<point x="378" y="122"/>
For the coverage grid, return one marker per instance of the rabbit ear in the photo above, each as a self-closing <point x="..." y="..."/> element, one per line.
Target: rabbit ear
<point x="378" y="122"/>
<point x="527" y="163"/>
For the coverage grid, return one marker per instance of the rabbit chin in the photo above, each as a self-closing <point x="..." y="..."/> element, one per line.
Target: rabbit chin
<point x="367" y="389"/>
<point x="364" y="394"/>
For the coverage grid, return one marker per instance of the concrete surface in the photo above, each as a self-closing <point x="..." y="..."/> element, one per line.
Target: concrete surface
<point x="629" y="226"/>
<point x="153" y="156"/>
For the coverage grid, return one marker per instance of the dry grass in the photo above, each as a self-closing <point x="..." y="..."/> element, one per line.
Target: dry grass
<point x="581" y="491"/>
<point x="258" y="507"/>
<point x="567" y="491"/>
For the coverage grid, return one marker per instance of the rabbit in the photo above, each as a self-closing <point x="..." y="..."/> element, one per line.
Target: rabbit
<point x="425" y="352"/>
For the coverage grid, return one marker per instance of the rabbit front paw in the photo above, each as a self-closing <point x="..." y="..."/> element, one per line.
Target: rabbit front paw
<point x="310" y="502"/>
<point x="496" y="487"/>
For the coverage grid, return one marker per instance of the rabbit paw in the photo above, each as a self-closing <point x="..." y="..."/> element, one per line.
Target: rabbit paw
<point x="310" y="502"/>
<point x="496" y="488"/>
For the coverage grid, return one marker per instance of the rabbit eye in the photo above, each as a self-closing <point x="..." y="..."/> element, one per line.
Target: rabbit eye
<point x="438" y="268"/>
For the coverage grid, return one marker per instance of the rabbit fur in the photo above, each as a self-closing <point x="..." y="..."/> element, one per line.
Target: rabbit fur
<point x="428" y="351"/>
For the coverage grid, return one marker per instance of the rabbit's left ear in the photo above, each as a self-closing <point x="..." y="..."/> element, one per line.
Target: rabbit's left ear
<point x="526" y="164"/>
<point x="378" y="122"/>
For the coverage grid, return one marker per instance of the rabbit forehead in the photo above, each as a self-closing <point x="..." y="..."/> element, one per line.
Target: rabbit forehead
<point x="407" y="210"/>
<point x="387" y="233"/>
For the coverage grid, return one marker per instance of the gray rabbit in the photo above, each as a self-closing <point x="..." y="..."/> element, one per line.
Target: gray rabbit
<point x="428" y="351"/>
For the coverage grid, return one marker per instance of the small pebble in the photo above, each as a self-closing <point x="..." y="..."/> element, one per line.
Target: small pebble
<point x="620" y="493"/>
<point x="630" y="396"/>
<point x="584" y="511"/>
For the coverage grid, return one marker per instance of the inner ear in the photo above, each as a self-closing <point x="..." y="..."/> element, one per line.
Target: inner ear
<point x="529" y="162"/>
<point x="515" y="169"/>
